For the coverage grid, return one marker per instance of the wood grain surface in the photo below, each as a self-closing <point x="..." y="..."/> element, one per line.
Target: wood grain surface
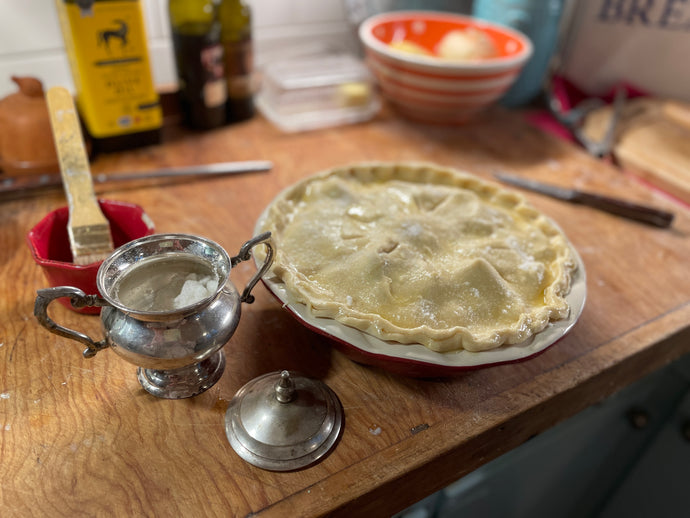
<point x="80" y="437"/>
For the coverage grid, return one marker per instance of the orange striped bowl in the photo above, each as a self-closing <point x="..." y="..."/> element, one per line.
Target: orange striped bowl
<point x="427" y="88"/>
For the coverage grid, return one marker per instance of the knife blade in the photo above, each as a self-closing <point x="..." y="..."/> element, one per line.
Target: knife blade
<point x="624" y="208"/>
<point x="25" y="184"/>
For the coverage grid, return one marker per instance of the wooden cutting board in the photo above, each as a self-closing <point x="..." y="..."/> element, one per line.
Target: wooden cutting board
<point x="652" y="140"/>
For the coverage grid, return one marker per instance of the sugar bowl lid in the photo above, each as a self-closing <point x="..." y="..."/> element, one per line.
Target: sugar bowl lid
<point x="282" y="421"/>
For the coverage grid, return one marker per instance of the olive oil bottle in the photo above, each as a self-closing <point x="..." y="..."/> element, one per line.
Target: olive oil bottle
<point x="108" y="54"/>
<point x="236" y="35"/>
<point x="199" y="57"/>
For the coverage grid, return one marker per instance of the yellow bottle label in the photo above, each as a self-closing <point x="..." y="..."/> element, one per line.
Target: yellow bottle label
<point x="106" y="44"/>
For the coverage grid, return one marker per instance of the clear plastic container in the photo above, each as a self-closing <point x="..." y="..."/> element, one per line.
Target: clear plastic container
<point x="314" y="92"/>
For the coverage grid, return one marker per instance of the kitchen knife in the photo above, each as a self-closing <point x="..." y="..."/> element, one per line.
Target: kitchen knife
<point x="21" y="185"/>
<point x="626" y="209"/>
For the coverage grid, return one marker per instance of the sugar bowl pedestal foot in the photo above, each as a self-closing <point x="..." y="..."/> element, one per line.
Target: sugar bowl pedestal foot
<point x="184" y="382"/>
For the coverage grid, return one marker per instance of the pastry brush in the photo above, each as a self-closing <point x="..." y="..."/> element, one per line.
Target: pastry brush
<point x="88" y="229"/>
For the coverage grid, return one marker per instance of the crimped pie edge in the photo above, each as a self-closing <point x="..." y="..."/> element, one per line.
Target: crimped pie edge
<point x="454" y="338"/>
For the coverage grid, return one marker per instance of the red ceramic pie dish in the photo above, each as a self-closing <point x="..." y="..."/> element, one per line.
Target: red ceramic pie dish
<point x="49" y="245"/>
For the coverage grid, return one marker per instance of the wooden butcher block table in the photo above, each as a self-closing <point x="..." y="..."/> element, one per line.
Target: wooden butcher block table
<point x="81" y="437"/>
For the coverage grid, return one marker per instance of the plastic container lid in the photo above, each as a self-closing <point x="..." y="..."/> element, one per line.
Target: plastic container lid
<point x="316" y="92"/>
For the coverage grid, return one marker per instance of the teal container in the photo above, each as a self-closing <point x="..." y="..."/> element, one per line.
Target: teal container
<point x="540" y="21"/>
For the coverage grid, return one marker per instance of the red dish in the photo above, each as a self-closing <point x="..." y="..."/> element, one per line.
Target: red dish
<point x="49" y="245"/>
<point x="415" y="360"/>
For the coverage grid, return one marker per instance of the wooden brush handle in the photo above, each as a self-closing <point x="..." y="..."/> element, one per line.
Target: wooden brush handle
<point x="74" y="164"/>
<point x="88" y="229"/>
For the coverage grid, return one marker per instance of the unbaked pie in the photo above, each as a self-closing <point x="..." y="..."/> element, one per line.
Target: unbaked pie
<point x="417" y="253"/>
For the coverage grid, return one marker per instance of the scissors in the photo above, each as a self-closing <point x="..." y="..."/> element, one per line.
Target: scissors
<point x="573" y="119"/>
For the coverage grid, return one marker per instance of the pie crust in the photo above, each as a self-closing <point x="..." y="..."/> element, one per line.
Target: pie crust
<point x="418" y="253"/>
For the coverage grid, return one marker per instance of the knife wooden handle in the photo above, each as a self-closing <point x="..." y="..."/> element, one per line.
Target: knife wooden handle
<point x="642" y="213"/>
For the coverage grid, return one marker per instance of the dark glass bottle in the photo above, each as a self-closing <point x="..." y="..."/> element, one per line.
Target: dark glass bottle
<point x="199" y="57"/>
<point x="236" y="35"/>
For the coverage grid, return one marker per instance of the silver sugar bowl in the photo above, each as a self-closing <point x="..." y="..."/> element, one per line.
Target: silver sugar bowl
<point x="167" y="306"/>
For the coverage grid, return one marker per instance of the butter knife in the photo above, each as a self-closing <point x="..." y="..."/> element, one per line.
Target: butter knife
<point x="626" y="209"/>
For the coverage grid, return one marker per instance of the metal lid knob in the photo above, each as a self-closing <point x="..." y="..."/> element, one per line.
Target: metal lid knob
<point x="282" y="421"/>
<point x="285" y="388"/>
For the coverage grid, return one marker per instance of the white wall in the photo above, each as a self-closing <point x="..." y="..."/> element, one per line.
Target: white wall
<point x="31" y="43"/>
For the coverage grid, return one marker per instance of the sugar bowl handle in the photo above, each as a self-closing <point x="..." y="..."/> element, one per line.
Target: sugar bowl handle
<point x="79" y="299"/>
<point x="245" y="254"/>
